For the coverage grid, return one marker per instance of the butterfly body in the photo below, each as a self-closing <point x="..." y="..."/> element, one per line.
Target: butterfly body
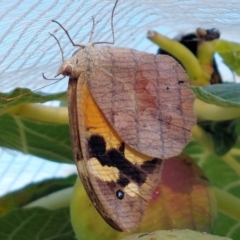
<point x="128" y="110"/>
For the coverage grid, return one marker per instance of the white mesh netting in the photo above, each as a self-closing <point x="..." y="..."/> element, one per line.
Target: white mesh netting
<point x="27" y="49"/>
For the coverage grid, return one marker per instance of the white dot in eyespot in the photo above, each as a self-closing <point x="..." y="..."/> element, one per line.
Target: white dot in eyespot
<point x="119" y="194"/>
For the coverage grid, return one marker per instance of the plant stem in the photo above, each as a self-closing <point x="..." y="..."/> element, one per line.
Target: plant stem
<point x="227" y="203"/>
<point x="54" y="200"/>
<point x="41" y="112"/>
<point x="205" y="52"/>
<point x="185" y="56"/>
<point x="232" y="162"/>
<point x="202" y="137"/>
<point x="205" y="111"/>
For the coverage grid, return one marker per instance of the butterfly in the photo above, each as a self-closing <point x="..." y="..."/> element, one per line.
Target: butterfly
<point x="128" y="111"/>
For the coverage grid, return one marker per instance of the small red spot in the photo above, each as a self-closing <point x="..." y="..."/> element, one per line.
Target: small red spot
<point x="68" y="70"/>
<point x="156" y="194"/>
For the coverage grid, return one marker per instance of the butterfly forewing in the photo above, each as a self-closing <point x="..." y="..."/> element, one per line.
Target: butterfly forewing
<point x="145" y="97"/>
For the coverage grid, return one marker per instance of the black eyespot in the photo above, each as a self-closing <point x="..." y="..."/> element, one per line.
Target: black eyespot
<point x="96" y="145"/>
<point x="119" y="194"/>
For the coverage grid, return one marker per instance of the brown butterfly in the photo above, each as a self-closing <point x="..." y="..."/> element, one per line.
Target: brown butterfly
<point x="128" y="110"/>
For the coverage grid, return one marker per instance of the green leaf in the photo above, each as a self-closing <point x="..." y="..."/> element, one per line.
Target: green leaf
<point x="224" y="224"/>
<point x="230" y="52"/>
<point x="223" y="134"/>
<point x="224" y="95"/>
<point x="24" y="95"/>
<point x="32" y="192"/>
<point x="223" y="173"/>
<point x="34" y="129"/>
<point x="37" y="223"/>
<point x="43" y="139"/>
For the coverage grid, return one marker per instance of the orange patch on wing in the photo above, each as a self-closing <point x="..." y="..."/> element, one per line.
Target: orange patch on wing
<point x="96" y="123"/>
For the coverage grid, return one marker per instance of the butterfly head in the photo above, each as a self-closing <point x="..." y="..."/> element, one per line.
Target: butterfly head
<point x="68" y="69"/>
<point x="77" y="64"/>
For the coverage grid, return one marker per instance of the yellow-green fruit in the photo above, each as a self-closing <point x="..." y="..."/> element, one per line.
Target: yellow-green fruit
<point x="86" y="221"/>
<point x="183" y="199"/>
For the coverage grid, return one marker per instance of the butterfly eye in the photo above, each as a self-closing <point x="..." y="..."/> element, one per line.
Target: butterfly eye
<point x="67" y="71"/>
<point x="119" y="194"/>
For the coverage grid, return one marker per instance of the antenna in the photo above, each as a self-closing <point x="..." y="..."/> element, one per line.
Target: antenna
<point x="69" y="37"/>
<point x="112" y="28"/>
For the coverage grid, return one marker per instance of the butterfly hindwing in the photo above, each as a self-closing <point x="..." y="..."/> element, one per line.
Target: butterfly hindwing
<point x="119" y="180"/>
